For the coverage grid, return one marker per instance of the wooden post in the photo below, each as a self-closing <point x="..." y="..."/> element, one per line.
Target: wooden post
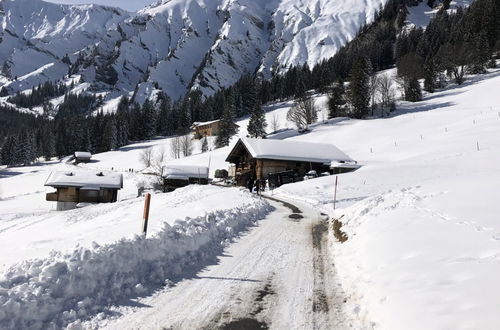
<point x="335" y="193"/>
<point x="147" y="202"/>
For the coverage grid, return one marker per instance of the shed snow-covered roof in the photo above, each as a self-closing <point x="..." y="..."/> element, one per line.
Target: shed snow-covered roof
<point x="197" y="124"/>
<point x="292" y="151"/>
<point x="186" y="171"/>
<point x="87" y="180"/>
<point x="83" y="154"/>
<point x="342" y="164"/>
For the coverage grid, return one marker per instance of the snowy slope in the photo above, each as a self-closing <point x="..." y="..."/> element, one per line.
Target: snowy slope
<point x="174" y="45"/>
<point x="421" y="215"/>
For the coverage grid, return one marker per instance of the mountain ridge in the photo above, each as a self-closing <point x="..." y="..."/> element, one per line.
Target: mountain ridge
<point x="175" y="45"/>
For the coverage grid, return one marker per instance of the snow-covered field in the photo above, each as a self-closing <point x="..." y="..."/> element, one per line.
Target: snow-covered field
<point x="422" y="214"/>
<point x="423" y="247"/>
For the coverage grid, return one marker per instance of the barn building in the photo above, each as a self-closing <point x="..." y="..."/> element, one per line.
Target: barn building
<point x="265" y="158"/>
<point x="75" y="187"/>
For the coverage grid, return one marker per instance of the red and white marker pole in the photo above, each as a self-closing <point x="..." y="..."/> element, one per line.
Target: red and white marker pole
<point x="145" y="219"/>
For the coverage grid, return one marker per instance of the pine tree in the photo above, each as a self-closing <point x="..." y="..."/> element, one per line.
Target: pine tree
<point x="204" y="144"/>
<point x="227" y="128"/>
<point x="248" y="93"/>
<point x="359" y="89"/>
<point x="149" y="119"/>
<point x="336" y="100"/>
<point x="165" y="119"/>
<point x="481" y="54"/>
<point x="49" y="150"/>
<point x="110" y="137"/>
<point x="413" y="91"/>
<point x="257" y="124"/>
<point x="430" y="76"/>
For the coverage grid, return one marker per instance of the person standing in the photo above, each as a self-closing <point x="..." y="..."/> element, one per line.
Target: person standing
<point x="250" y="184"/>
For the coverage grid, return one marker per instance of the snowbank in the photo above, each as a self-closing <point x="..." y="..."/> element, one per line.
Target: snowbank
<point x="63" y="288"/>
<point x="421" y="215"/>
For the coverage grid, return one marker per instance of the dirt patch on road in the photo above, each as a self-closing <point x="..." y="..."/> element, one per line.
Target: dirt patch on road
<point x="295" y="216"/>
<point x="244" y="324"/>
<point x="251" y="321"/>
<point x="318" y="232"/>
<point x="292" y="207"/>
<point x="261" y="294"/>
<point x="320" y="300"/>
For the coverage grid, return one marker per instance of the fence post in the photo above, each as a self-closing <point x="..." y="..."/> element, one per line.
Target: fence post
<point x="335" y="193"/>
<point x="147" y="202"/>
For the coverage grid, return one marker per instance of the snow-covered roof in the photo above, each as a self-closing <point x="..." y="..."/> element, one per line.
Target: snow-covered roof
<point x="186" y="171"/>
<point x="342" y="164"/>
<point x="293" y="151"/>
<point x="87" y="180"/>
<point x="83" y="154"/>
<point x="196" y="124"/>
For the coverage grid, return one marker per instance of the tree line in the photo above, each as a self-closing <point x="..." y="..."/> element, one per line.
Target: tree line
<point x="38" y="95"/>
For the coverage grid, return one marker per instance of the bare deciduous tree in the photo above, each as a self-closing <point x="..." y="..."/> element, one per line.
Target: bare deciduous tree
<point x="386" y="92"/>
<point x="373" y="83"/>
<point x="303" y="113"/>
<point x="146" y="157"/>
<point x="275" y="122"/>
<point x="175" y="147"/>
<point x="158" y="164"/>
<point x="186" y="145"/>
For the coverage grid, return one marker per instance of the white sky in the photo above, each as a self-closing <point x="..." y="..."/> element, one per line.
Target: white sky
<point x="130" y="5"/>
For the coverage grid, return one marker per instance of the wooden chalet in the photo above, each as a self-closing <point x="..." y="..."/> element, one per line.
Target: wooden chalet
<point x="75" y="187"/>
<point x="208" y="128"/>
<point x="177" y="176"/>
<point x="263" y="158"/>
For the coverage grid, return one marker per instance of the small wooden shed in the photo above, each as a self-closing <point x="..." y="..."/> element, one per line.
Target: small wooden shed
<point x="75" y="187"/>
<point x="260" y="158"/>
<point x="82" y="157"/>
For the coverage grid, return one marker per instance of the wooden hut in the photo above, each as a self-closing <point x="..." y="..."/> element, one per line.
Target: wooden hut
<point x="263" y="158"/>
<point x="208" y="128"/>
<point x="82" y="157"/>
<point x="177" y="176"/>
<point x="75" y="187"/>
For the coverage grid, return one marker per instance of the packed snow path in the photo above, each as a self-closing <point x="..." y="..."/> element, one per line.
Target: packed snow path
<point x="277" y="276"/>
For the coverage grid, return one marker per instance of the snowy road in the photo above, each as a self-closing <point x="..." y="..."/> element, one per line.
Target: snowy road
<point x="272" y="277"/>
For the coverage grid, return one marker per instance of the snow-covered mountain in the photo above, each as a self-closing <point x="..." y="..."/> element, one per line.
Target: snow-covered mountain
<point x="35" y="36"/>
<point x="173" y="45"/>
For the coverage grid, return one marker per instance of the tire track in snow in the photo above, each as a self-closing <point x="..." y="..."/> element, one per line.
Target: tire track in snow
<point x="320" y="305"/>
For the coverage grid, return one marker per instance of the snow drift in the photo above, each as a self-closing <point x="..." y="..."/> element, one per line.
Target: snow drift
<point x="63" y="288"/>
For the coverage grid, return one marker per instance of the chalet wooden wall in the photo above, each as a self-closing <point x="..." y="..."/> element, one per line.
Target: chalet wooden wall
<point x="75" y="195"/>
